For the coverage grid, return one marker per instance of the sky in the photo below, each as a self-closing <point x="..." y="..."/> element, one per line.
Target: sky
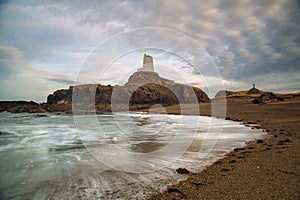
<point x="217" y="44"/>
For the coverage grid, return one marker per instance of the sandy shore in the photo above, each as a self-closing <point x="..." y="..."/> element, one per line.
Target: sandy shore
<point x="264" y="169"/>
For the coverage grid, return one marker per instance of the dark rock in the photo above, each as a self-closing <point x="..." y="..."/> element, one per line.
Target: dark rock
<point x="197" y="184"/>
<point x="170" y="190"/>
<point x="255" y="127"/>
<point x="218" y="162"/>
<point x="225" y="170"/>
<point x="258" y="101"/>
<point x="259" y="141"/>
<point x="153" y="94"/>
<point x="239" y="149"/>
<point x="182" y="171"/>
<point x="267" y="97"/>
<point x="287" y="140"/>
<point x="60" y="97"/>
<point x="286" y="172"/>
<point x="21" y="106"/>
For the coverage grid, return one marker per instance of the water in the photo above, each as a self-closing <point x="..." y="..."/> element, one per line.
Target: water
<point x="125" y="155"/>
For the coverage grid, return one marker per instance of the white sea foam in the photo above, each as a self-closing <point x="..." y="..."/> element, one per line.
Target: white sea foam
<point x="50" y="157"/>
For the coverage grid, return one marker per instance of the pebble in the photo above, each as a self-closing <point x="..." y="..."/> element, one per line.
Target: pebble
<point x="260" y="141"/>
<point x="182" y="171"/>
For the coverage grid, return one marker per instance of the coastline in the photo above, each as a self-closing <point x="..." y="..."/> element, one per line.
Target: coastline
<point x="263" y="169"/>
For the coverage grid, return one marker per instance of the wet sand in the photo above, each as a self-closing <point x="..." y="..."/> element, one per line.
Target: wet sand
<point x="264" y="169"/>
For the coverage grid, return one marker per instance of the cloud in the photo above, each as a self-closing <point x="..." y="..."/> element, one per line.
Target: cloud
<point x="11" y="57"/>
<point x="63" y="81"/>
<point x="22" y="81"/>
<point x="249" y="41"/>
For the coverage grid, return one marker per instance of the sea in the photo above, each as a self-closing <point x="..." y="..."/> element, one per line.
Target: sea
<point x="108" y="156"/>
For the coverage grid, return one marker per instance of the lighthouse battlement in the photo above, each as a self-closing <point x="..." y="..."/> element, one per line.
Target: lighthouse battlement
<point x="147" y="64"/>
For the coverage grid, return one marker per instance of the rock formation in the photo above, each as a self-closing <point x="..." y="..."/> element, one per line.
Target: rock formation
<point x="141" y="78"/>
<point x="60" y="97"/>
<point x="267" y="97"/>
<point x="21" y="106"/>
<point x="143" y="89"/>
<point x="137" y="97"/>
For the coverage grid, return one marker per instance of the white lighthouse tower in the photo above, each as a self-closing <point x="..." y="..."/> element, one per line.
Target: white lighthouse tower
<point x="147" y="64"/>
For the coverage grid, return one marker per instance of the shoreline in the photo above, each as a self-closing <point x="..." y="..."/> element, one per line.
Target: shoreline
<point x="59" y="148"/>
<point x="263" y="169"/>
<point x="267" y="168"/>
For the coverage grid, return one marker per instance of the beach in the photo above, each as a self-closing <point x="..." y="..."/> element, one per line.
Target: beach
<point x="264" y="169"/>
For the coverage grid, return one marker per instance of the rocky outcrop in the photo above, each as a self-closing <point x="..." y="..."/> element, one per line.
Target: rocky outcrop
<point x="267" y="97"/>
<point x="152" y="81"/>
<point x="21" y="106"/>
<point x="62" y="96"/>
<point x="201" y="96"/>
<point x="143" y="97"/>
<point x="153" y="94"/>
<point x="135" y="93"/>
<point x="96" y="94"/>
<point x="142" y="78"/>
